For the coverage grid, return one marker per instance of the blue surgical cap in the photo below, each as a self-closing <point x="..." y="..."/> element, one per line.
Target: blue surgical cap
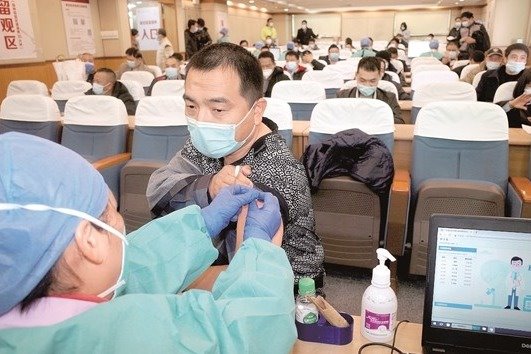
<point x="434" y="44"/>
<point x="38" y="171"/>
<point x="259" y="45"/>
<point x="365" y="42"/>
<point x="290" y="46"/>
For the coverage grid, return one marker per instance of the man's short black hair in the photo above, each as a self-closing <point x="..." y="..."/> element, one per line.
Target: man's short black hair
<point x="306" y="52"/>
<point x="516" y="258"/>
<point x="177" y="56"/>
<point x="304" y="22"/>
<point x="134" y="31"/>
<point x="384" y="54"/>
<point x="516" y="46"/>
<point x="293" y="54"/>
<point x="467" y="14"/>
<point x="478" y="56"/>
<point x="270" y="19"/>
<point x="201" y="22"/>
<point x="369" y="64"/>
<point x="162" y="32"/>
<point x="267" y="54"/>
<point x="191" y="22"/>
<point x="108" y="71"/>
<point x="244" y="41"/>
<point x="348" y="40"/>
<point x="233" y="57"/>
<point x="452" y="43"/>
<point x="392" y="50"/>
<point x="332" y="47"/>
<point x="131" y="51"/>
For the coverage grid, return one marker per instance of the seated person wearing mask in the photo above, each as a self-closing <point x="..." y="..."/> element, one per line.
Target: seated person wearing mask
<point x="434" y="50"/>
<point x="134" y="62"/>
<point x="451" y="54"/>
<point x="258" y="46"/>
<point x="293" y="68"/>
<point x="307" y="59"/>
<point x="105" y="84"/>
<point x="476" y="57"/>
<point x="71" y="279"/>
<point x="270" y="72"/>
<point x="519" y="109"/>
<point x="88" y="59"/>
<point x="171" y="71"/>
<point x="312" y="45"/>
<point x="366" y="49"/>
<point x="516" y="58"/>
<point x="384" y="65"/>
<point x="394" y="55"/>
<point x="493" y="60"/>
<point x="231" y="143"/>
<point x="333" y="55"/>
<point x="367" y="78"/>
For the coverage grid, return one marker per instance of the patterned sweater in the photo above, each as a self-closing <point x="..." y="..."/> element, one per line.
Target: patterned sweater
<point x="186" y="178"/>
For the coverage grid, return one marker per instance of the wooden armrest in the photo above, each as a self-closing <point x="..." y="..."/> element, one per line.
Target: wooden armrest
<point x="398" y="212"/>
<point x="111" y="161"/>
<point x="522" y="186"/>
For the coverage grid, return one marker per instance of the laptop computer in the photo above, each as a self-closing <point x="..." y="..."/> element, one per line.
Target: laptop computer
<point x="478" y="285"/>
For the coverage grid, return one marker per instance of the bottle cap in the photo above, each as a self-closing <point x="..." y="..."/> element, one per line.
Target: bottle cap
<point x="381" y="276"/>
<point x="306" y="286"/>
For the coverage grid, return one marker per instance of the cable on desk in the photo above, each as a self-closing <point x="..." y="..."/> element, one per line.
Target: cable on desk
<point x="394" y="335"/>
<point x="391" y="346"/>
<point x="381" y="345"/>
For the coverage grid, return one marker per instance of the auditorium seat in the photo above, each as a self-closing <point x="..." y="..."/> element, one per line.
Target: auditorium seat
<point x="156" y="70"/>
<point x="349" y="217"/>
<point x="477" y="78"/>
<point x="394" y="76"/>
<point x="504" y="92"/>
<point x="441" y="91"/>
<point x="424" y="77"/>
<point x="459" y="63"/>
<point x="27" y="87"/>
<point x="279" y="112"/>
<point x="331" y="81"/>
<point x="135" y="89"/>
<point x="168" y="88"/>
<point x="62" y="91"/>
<point x="31" y="114"/>
<point x="160" y="131"/>
<point x="302" y="96"/>
<point x="145" y="78"/>
<point x="459" y="166"/>
<point x="420" y="68"/>
<point x="96" y="126"/>
<point x="467" y="69"/>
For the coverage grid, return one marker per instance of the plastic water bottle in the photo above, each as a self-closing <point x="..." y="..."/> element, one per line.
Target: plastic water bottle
<point x="306" y="312"/>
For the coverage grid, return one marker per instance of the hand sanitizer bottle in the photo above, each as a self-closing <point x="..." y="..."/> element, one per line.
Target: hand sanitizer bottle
<point x="379" y="305"/>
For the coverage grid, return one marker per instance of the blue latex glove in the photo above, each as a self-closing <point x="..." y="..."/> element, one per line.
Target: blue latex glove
<point x="263" y="222"/>
<point x="227" y="204"/>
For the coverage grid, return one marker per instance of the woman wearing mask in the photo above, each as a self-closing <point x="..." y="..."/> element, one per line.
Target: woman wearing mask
<point x="406" y="34"/>
<point x="190" y="39"/>
<point x="269" y="30"/>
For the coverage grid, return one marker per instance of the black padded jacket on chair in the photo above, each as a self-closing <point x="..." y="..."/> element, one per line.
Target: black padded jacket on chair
<point x="350" y="153"/>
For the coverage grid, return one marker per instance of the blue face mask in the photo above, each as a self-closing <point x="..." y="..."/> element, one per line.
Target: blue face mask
<point x="333" y="56"/>
<point x="514" y="67"/>
<point x="292" y="66"/>
<point x="171" y="73"/>
<point x="89" y="68"/>
<point x="216" y="140"/>
<point x="366" y="90"/>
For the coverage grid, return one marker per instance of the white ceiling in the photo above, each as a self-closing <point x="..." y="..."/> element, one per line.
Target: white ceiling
<point x="314" y="6"/>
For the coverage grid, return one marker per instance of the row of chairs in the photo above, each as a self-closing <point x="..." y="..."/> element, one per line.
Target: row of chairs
<point x="455" y="143"/>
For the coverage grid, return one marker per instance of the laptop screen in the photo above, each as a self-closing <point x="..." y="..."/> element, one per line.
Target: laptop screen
<point x="480" y="277"/>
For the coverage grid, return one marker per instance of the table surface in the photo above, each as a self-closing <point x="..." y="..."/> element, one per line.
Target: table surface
<point x="408" y="339"/>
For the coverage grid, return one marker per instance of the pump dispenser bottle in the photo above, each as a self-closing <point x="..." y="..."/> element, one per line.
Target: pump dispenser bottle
<point x="379" y="305"/>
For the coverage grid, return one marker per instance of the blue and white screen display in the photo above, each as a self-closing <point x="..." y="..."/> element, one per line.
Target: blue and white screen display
<point x="482" y="281"/>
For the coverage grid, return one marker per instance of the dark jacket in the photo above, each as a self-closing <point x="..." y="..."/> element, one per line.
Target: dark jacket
<point x="276" y="76"/>
<point x="203" y="38"/>
<point x="191" y="44"/>
<point x="303" y="37"/>
<point x="120" y="91"/>
<point x="317" y="65"/>
<point x="490" y="81"/>
<point x="350" y="153"/>
<point x="297" y="75"/>
<point x="402" y="95"/>
<point x="387" y="97"/>
<point x="480" y="34"/>
<point x="516" y="117"/>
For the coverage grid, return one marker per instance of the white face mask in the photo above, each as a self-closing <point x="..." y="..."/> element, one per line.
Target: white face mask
<point x="491" y="65"/>
<point x="465" y="23"/>
<point x="131" y="64"/>
<point x="269" y="41"/>
<point x="514" y="67"/>
<point x="82" y="215"/>
<point x="457" y="25"/>
<point x="98" y="89"/>
<point x="267" y="73"/>
<point x="304" y="26"/>
<point x="452" y="54"/>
